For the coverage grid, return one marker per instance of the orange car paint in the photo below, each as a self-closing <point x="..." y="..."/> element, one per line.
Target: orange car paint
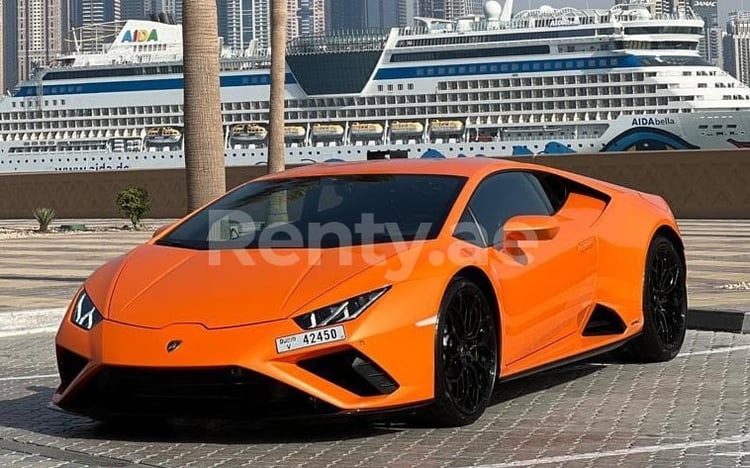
<point x="545" y="291"/>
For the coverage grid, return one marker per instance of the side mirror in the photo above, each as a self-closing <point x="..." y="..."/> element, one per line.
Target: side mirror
<point x="528" y="228"/>
<point x="160" y="230"/>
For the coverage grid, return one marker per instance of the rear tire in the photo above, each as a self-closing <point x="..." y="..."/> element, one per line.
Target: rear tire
<point x="466" y="356"/>
<point x="664" y="306"/>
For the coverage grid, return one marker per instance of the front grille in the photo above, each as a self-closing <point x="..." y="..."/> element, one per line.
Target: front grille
<point x="69" y="364"/>
<point x="211" y="392"/>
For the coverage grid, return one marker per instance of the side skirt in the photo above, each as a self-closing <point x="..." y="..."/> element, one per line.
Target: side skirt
<point x="568" y="360"/>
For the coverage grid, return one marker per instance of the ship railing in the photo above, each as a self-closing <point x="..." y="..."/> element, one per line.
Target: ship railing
<point x="565" y="18"/>
<point x="365" y="40"/>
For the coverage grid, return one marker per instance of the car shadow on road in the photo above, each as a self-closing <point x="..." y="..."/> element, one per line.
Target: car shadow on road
<point x="30" y="413"/>
<point x="534" y="383"/>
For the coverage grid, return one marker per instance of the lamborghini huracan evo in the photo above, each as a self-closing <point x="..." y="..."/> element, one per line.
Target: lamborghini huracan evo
<point x="374" y="286"/>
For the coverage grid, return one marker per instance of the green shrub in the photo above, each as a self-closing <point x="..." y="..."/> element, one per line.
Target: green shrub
<point x="45" y="217"/>
<point x="134" y="202"/>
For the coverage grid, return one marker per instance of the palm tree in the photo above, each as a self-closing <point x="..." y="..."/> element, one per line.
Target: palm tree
<point x="277" y="210"/>
<point x="204" y="145"/>
<point x="276" y="151"/>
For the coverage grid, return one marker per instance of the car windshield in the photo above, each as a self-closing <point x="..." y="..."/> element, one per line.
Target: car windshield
<point x="322" y="212"/>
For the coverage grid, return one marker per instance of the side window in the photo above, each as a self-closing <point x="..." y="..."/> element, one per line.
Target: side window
<point x="555" y="187"/>
<point x="504" y="195"/>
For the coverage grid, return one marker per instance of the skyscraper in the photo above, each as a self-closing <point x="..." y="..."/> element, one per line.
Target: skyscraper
<point x="710" y="46"/>
<point x="39" y="34"/>
<point x="77" y="14"/>
<point x="134" y="9"/>
<point x="2" y="46"/>
<point x="448" y="9"/>
<point x="9" y="40"/>
<point x="737" y="46"/>
<point x="242" y="21"/>
<point x="664" y="6"/>
<point x="353" y="15"/>
<point x="305" y="18"/>
<point x="261" y="23"/>
<point x="406" y="11"/>
<point x="173" y="8"/>
<point x="235" y="18"/>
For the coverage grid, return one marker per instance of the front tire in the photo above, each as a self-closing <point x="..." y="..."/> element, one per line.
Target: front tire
<point x="665" y="305"/>
<point x="466" y="356"/>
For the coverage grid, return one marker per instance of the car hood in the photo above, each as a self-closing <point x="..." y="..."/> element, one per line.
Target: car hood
<point x="157" y="286"/>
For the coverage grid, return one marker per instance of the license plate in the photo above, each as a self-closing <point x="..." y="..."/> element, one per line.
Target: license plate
<point x="285" y="344"/>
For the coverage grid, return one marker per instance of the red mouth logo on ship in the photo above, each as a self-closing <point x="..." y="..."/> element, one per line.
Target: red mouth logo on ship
<point x="739" y="144"/>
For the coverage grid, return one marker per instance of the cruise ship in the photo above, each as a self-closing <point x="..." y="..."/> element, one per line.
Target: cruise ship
<point x="546" y="81"/>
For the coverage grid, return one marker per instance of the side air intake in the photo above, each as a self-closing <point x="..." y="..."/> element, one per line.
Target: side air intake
<point x="353" y="371"/>
<point x="604" y="321"/>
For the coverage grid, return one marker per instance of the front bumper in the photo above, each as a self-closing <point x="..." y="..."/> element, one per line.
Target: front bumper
<point x="123" y="369"/>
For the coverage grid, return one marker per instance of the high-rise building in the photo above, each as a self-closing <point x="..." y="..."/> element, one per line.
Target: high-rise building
<point x="79" y="14"/>
<point x="305" y="18"/>
<point x="710" y="46"/>
<point x="236" y="26"/>
<point x="261" y="23"/>
<point x="39" y="34"/>
<point x="407" y="9"/>
<point x="354" y="15"/>
<point x="172" y="8"/>
<point x="9" y="40"/>
<point x="708" y="10"/>
<point x="135" y="9"/>
<point x="243" y="21"/>
<point x="2" y="47"/>
<point x="660" y="7"/>
<point x="448" y="9"/>
<point x="737" y="46"/>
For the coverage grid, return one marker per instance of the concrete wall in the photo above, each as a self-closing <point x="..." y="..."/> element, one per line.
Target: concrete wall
<point x="698" y="184"/>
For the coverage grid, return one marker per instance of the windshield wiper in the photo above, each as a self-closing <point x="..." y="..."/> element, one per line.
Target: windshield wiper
<point x="172" y="243"/>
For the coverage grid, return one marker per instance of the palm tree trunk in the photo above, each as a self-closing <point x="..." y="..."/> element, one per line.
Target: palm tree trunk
<point x="276" y="150"/>
<point x="204" y="142"/>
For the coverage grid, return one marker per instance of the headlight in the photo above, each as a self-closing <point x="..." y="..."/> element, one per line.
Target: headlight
<point x="85" y="314"/>
<point x="340" y="312"/>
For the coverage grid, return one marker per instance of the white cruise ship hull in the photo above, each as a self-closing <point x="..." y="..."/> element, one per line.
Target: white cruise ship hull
<point x="547" y="82"/>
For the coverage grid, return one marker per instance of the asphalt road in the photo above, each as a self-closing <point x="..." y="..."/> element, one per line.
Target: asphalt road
<point x="691" y="412"/>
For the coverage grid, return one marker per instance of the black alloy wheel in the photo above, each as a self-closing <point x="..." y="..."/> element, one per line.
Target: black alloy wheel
<point x="466" y="357"/>
<point x="664" y="305"/>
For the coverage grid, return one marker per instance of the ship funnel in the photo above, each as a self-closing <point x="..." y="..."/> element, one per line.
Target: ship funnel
<point x="507" y="13"/>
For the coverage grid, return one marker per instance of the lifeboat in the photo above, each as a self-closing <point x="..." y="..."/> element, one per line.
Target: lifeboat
<point x="366" y="129"/>
<point x="327" y="130"/>
<point x="294" y="132"/>
<point x="446" y="127"/>
<point x="163" y="136"/>
<point x="406" y="128"/>
<point x="249" y="133"/>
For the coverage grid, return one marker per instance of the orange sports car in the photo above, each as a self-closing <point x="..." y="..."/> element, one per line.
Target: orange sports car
<point x="374" y="286"/>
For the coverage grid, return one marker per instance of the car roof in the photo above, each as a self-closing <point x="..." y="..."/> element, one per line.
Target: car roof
<point x="453" y="166"/>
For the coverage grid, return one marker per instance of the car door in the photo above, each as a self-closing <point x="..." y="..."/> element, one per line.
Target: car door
<point x="545" y="285"/>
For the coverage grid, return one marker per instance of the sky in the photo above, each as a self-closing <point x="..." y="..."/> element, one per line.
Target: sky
<point x="725" y="6"/>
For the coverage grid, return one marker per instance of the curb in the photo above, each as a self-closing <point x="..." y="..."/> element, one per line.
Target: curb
<point x="734" y="321"/>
